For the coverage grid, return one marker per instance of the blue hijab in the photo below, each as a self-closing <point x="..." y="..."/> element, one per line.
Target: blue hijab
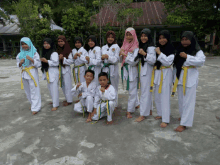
<point x="30" y="52"/>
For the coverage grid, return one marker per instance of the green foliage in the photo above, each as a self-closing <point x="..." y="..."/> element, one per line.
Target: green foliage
<point x="202" y="16"/>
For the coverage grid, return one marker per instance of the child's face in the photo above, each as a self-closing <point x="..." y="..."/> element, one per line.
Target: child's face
<point x="162" y="40"/>
<point x="129" y="37"/>
<point x="61" y="43"/>
<point x="103" y="81"/>
<point x="24" y="46"/>
<point x="78" y="44"/>
<point x="144" y="38"/>
<point x="89" y="77"/>
<point x="185" y="42"/>
<point x="46" y="45"/>
<point x="110" y="39"/>
<point x="91" y="43"/>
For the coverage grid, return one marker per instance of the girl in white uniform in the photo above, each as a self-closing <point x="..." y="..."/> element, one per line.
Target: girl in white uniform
<point x="147" y="58"/>
<point x="66" y="59"/>
<point x="163" y="77"/>
<point x="94" y="57"/>
<point x="105" y="99"/>
<point x="79" y="56"/>
<point x="28" y="60"/>
<point x="129" y="51"/>
<point x="50" y="63"/>
<point x="110" y="59"/>
<point x="188" y="58"/>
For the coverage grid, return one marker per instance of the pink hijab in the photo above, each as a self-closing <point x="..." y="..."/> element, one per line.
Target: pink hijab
<point x="129" y="47"/>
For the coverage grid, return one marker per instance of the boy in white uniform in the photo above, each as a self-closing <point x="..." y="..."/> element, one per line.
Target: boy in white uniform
<point x="86" y="92"/>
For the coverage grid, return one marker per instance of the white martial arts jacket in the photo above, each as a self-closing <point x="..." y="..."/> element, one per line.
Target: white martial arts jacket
<point x="80" y="60"/>
<point x="95" y="58"/>
<point x="67" y="62"/>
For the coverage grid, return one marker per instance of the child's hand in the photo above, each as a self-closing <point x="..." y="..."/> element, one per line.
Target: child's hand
<point x="75" y="56"/>
<point x="183" y="54"/>
<point x="22" y="61"/>
<point x="44" y="60"/>
<point x="60" y="56"/>
<point x="87" y="58"/>
<point x="158" y="50"/>
<point x="80" y="95"/>
<point x="121" y="52"/>
<point x="102" y="89"/>
<point x="77" y="86"/>
<point x="28" y="57"/>
<point x="142" y="52"/>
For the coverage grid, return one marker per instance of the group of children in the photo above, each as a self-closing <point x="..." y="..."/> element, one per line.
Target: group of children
<point x="144" y="65"/>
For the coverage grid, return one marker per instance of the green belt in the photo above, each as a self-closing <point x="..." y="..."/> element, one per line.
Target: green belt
<point x="91" y="66"/>
<point x="122" y="74"/>
<point x="106" y="65"/>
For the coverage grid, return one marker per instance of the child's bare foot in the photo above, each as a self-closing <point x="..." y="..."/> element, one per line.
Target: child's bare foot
<point x="34" y="112"/>
<point x="89" y="119"/>
<point x="158" y="117"/>
<point x="50" y="103"/>
<point x="180" y="128"/>
<point x="151" y="112"/>
<point x="66" y="104"/>
<point x="137" y="107"/>
<point x="54" y="108"/>
<point x="129" y="115"/>
<point x="109" y="122"/>
<point x="179" y="119"/>
<point x="140" y="118"/>
<point x="163" y="125"/>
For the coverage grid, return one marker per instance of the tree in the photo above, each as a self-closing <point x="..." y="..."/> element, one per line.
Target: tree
<point x="34" y="21"/>
<point x="202" y="16"/>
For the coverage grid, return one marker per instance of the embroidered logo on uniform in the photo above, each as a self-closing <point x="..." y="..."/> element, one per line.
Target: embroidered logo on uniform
<point x="93" y="51"/>
<point x="113" y="49"/>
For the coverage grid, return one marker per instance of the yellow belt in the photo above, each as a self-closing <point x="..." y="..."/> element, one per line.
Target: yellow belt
<point x="74" y="73"/>
<point x="47" y="74"/>
<point x="185" y="69"/>
<point x="29" y="73"/>
<point x="161" y="78"/>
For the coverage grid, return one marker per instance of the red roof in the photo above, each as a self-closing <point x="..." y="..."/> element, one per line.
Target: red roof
<point x="153" y="14"/>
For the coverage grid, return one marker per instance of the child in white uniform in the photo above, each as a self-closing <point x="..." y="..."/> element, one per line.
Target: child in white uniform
<point x="186" y="75"/>
<point x="110" y="59"/>
<point x="86" y="92"/>
<point x="29" y="60"/>
<point x="105" y="99"/>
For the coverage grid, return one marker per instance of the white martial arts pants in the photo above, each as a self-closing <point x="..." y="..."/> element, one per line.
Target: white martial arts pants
<point x="33" y="94"/>
<point x="54" y="92"/>
<point x="81" y="76"/>
<point x="187" y="104"/>
<point x="146" y="96"/>
<point x="67" y="86"/>
<point x="162" y="101"/>
<point x="104" y="111"/>
<point x="133" y="100"/>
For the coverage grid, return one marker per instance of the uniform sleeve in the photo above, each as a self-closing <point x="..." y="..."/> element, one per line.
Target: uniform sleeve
<point x="37" y="62"/>
<point x="97" y="60"/>
<point x="130" y="58"/>
<point x="109" y="94"/>
<point x="114" y="59"/>
<point x="166" y="60"/>
<point x="75" y="92"/>
<point x="197" y="60"/>
<point x="91" y="92"/>
<point x="18" y="60"/>
<point x="97" y="98"/>
<point x="54" y="60"/>
<point x="83" y="56"/>
<point x="68" y="61"/>
<point x="151" y="55"/>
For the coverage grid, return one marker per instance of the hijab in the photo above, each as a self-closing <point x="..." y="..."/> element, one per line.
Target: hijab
<point x="30" y="52"/>
<point x="192" y="49"/>
<point x="46" y="53"/>
<point x="78" y="39"/>
<point x="144" y="46"/>
<point x="65" y="50"/>
<point x="110" y="32"/>
<point x="166" y="49"/>
<point x="129" y="46"/>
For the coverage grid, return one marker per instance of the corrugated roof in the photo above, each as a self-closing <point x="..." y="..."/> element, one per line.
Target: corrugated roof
<point x="153" y="14"/>
<point x="13" y="29"/>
